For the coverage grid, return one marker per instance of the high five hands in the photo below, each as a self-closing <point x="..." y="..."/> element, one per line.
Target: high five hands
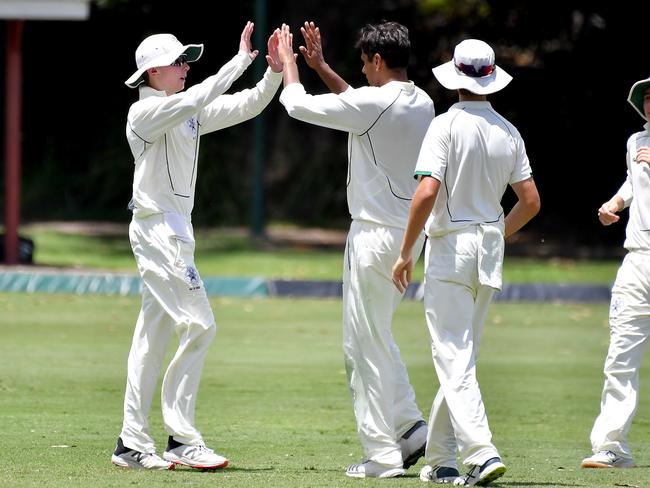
<point x="313" y="51"/>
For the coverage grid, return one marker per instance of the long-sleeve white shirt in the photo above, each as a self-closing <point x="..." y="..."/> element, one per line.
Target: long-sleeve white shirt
<point x="386" y="125"/>
<point x="164" y="132"/>
<point x="635" y="193"/>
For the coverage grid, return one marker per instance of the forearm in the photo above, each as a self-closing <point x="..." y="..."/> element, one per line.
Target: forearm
<point x="290" y="72"/>
<point x="527" y="206"/>
<point x="421" y="206"/>
<point x="153" y="116"/>
<point x="519" y="216"/>
<point x="231" y="109"/>
<point x="332" y="80"/>
<point x="616" y="203"/>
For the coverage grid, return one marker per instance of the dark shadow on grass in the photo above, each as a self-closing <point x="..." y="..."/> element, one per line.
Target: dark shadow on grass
<point x="217" y="472"/>
<point x="533" y="483"/>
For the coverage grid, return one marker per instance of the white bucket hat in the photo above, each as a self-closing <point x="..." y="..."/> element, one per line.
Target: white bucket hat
<point x="637" y="93"/>
<point x="473" y="69"/>
<point x="160" y="50"/>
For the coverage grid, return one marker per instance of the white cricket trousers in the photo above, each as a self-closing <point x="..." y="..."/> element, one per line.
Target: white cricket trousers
<point x="173" y="301"/>
<point x="456" y="305"/>
<point x="382" y="395"/>
<point x="629" y="327"/>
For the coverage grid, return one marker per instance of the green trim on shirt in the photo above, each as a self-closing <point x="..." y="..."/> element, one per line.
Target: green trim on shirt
<point x="420" y="174"/>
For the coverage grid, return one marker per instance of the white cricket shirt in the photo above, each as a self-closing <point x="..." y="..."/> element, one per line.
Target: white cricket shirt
<point x="635" y="192"/>
<point x="475" y="153"/>
<point x="386" y="125"/>
<point x="164" y="131"/>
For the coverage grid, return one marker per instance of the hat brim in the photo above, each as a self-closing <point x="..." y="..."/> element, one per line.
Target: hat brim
<point x="192" y="51"/>
<point x="637" y="93"/>
<point x="451" y="78"/>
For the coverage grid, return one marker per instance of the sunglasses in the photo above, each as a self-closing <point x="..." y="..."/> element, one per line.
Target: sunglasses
<point x="180" y="61"/>
<point x="470" y="70"/>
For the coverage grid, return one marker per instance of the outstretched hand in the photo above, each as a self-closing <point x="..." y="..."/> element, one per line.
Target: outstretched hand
<point x="285" y="44"/>
<point x="245" y="44"/>
<point x="273" y="56"/>
<point x="313" y="49"/>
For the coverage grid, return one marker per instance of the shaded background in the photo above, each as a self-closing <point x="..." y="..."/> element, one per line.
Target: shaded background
<point x="573" y="64"/>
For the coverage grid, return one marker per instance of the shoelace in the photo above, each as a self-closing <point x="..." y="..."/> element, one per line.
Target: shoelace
<point x="470" y="474"/>
<point x="202" y="447"/>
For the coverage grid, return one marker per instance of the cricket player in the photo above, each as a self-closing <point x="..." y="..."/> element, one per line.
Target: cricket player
<point x="629" y="311"/>
<point x="163" y="130"/>
<point x="469" y="156"/>
<point x="386" y="122"/>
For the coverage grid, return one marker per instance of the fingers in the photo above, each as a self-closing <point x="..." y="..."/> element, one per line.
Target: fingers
<point x="400" y="281"/>
<point x="245" y="39"/>
<point x="285" y="35"/>
<point x="606" y="216"/>
<point x="401" y="274"/>
<point x="248" y="31"/>
<point x="643" y="155"/>
<point x="311" y="34"/>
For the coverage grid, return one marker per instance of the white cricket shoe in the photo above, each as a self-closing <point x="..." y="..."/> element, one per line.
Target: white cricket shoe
<point x="439" y="474"/>
<point x="482" y="475"/>
<point x="607" y="459"/>
<point x="372" y="469"/>
<point x="413" y="444"/>
<point x="130" y="458"/>
<point x="198" y="457"/>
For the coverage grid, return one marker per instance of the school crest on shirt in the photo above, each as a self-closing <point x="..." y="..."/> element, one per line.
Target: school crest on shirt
<point x="192" y="278"/>
<point x="616" y="305"/>
<point x="193" y="124"/>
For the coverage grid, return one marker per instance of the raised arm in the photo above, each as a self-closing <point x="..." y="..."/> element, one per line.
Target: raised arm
<point x="245" y="44"/>
<point x="287" y="56"/>
<point x="273" y="56"/>
<point x="313" y="54"/>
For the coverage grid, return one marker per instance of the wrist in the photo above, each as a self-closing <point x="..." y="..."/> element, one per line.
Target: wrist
<point x="322" y="67"/>
<point x="405" y="253"/>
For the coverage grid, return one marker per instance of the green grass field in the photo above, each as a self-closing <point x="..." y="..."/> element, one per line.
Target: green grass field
<point x="274" y="398"/>
<point x="220" y="252"/>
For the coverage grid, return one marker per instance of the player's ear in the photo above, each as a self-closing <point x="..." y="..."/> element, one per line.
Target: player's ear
<point x="377" y="60"/>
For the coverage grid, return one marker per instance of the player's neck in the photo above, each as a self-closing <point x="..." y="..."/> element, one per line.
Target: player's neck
<point x="466" y="96"/>
<point x="395" y="75"/>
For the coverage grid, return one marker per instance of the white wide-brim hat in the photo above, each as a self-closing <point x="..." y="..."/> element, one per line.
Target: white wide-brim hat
<point x="160" y="50"/>
<point x="637" y="93"/>
<point x="473" y="69"/>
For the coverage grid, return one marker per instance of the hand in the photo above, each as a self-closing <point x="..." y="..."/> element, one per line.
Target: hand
<point x="273" y="56"/>
<point x="643" y="155"/>
<point x="403" y="272"/>
<point x="313" y="52"/>
<point x="245" y="41"/>
<point x="285" y="45"/>
<point x="607" y="213"/>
